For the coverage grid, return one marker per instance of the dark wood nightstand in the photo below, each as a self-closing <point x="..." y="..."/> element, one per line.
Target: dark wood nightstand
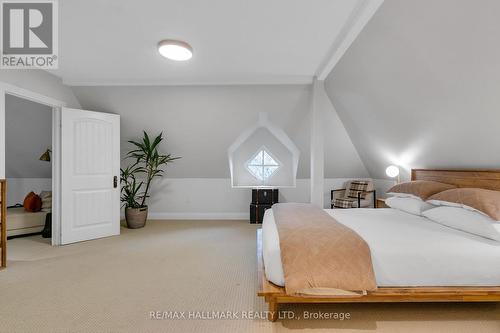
<point x="381" y="203"/>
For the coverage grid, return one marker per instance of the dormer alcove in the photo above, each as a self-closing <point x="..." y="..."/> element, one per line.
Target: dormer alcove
<point x="263" y="156"/>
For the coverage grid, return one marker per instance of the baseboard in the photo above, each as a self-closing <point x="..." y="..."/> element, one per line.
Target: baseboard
<point x="198" y="216"/>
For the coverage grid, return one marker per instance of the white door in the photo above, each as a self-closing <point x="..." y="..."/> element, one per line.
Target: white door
<point x="90" y="170"/>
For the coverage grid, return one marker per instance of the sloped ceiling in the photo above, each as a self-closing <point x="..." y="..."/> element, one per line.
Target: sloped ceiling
<point x="28" y="133"/>
<point x="420" y="86"/>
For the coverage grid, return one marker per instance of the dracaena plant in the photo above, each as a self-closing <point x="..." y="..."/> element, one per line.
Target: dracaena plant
<point x="130" y="186"/>
<point x="148" y="164"/>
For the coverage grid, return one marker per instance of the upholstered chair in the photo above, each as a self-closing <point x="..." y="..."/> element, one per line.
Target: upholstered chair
<point x="359" y="193"/>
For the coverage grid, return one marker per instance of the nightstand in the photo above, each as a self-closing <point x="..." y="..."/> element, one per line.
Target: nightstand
<point x="381" y="203"/>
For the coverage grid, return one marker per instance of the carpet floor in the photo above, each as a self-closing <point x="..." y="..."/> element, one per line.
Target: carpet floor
<point x="196" y="269"/>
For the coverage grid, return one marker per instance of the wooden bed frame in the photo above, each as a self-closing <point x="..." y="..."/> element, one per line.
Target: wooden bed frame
<point x="487" y="179"/>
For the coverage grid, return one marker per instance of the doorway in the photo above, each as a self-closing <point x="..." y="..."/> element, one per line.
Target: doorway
<point x="28" y="167"/>
<point x="85" y="187"/>
<point x="8" y="91"/>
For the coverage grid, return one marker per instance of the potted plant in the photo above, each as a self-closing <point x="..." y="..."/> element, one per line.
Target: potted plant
<point x="148" y="164"/>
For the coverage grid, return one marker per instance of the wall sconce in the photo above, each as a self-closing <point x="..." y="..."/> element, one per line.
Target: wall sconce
<point x="46" y="156"/>
<point x="393" y="172"/>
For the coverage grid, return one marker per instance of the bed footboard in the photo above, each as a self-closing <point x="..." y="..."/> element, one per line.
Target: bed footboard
<point x="275" y="295"/>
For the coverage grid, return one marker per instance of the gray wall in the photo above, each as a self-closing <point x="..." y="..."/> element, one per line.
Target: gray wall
<point x="200" y="123"/>
<point x="420" y="86"/>
<point x="28" y="133"/>
<point x="341" y="158"/>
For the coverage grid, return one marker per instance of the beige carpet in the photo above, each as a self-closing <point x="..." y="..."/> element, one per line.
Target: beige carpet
<point x="112" y="285"/>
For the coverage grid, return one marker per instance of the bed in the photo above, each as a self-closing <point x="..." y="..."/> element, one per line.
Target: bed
<point x="21" y="222"/>
<point x="418" y="261"/>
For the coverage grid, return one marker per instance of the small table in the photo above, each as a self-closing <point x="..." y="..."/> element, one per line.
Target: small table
<point x="381" y="203"/>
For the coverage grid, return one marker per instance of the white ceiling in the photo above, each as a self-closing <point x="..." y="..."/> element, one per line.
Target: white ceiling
<point x="234" y="41"/>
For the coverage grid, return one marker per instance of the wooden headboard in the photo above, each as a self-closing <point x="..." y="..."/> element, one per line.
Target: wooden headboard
<point x="487" y="179"/>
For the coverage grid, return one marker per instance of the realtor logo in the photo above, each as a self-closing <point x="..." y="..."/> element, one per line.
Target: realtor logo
<point x="29" y="34"/>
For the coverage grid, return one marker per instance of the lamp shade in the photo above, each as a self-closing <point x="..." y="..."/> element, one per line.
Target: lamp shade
<point x="45" y="156"/>
<point x="392" y="171"/>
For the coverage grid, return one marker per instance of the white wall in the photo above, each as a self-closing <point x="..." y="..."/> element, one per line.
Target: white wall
<point x="341" y="157"/>
<point x="197" y="198"/>
<point x="382" y="185"/>
<point x="420" y="86"/>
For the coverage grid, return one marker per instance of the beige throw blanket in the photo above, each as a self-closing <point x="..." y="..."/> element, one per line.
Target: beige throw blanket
<point x="321" y="256"/>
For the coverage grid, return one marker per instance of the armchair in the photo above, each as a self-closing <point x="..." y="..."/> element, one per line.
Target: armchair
<point x="355" y="194"/>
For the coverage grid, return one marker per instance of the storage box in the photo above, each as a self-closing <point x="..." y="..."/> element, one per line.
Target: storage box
<point x="257" y="212"/>
<point x="265" y="196"/>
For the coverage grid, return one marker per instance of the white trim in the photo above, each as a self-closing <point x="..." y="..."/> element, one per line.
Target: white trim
<point x="6" y="88"/>
<point x="279" y="80"/>
<point x="317" y="143"/>
<point x="198" y="216"/>
<point x="56" y="176"/>
<point x="30" y="95"/>
<point x="362" y="13"/>
<point x="264" y="186"/>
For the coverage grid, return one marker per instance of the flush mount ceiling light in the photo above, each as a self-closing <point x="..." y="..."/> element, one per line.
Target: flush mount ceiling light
<point x="175" y="50"/>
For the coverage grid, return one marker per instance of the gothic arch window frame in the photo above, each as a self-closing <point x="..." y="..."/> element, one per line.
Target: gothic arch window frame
<point x="279" y="134"/>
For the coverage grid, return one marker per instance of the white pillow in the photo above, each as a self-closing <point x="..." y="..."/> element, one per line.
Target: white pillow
<point x="410" y="205"/>
<point x="466" y="220"/>
<point x="45" y="194"/>
<point x="403" y="195"/>
<point x="454" y="204"/>
<point x="46" y="201"/>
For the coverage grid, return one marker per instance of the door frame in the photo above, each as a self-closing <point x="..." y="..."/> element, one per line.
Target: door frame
<point x="56" y="105"/>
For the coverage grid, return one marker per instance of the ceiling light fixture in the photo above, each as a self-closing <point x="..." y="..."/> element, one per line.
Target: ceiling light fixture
<point x="175" y="50"/>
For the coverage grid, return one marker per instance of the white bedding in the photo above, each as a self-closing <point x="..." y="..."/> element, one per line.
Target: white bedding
<point x="407" y="250"/>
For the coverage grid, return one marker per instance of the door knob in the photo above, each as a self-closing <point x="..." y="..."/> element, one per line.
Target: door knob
<point x="115" y="181"/>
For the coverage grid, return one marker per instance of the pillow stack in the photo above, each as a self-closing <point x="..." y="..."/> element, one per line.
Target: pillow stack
<point x="46" y="197"/>
<point x="475" y="199"/>
<point x="410" y="196"/>
<point x="473" y="210"/>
